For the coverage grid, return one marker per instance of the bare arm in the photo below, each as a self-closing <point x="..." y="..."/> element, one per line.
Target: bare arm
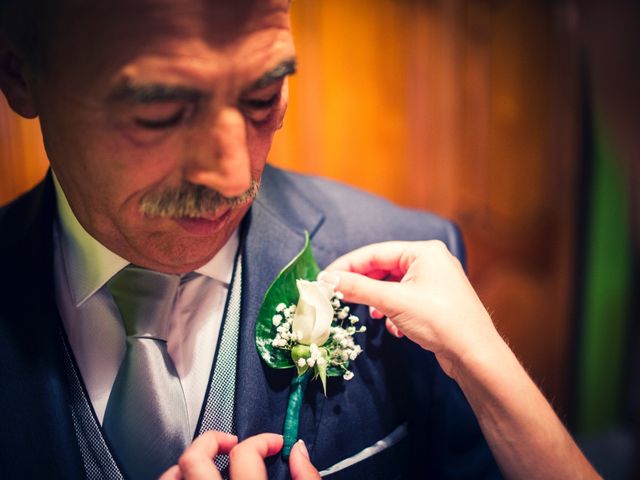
<point x="427" y="296"/>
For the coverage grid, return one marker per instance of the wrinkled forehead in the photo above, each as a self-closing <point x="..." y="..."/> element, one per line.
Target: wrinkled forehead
<point x="100" y="35"/>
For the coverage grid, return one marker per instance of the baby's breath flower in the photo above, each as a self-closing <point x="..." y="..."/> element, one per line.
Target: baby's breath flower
<point x="340" y="347"/>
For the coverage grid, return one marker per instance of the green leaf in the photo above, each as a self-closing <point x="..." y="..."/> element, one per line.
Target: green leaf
<point x="283" y="290"/>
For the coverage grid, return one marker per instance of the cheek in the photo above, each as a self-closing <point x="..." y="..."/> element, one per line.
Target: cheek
<point x="121" y="171"/>
<point x="145" y="156"/>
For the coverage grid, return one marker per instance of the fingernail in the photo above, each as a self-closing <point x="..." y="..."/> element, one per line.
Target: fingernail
<point x="329" y="277"/>
<point x="303" y="448"/>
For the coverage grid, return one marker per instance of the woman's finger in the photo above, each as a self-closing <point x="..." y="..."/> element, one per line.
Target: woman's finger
<point x="196" y="463"/>
<point x="379" y="257"/>
<point x="247" y="458"/>
<point x="299" y="464"/>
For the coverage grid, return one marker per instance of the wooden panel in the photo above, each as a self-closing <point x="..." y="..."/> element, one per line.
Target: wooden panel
<point x="22" y="157"/>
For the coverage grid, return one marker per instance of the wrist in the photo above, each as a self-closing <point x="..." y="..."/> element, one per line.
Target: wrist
<point x="480" y="358"/>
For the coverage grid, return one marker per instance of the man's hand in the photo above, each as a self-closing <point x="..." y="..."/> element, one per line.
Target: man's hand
<point x="425" y="295"/>
<point x="246" y="458"/>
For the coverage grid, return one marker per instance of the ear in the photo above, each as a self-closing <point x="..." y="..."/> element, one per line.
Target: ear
<point x="13" y="81"/>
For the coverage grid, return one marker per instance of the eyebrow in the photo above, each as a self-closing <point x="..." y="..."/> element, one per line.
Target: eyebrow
<point x="154" y="92"/>
<point x="158" y="92"/>
<point x="288" y="67"/>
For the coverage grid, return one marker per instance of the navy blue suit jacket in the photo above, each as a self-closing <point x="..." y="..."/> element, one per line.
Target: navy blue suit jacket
<point x="396" y="383"/>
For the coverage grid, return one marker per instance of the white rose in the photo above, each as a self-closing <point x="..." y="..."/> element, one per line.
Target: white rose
<point x="314" y="313"/>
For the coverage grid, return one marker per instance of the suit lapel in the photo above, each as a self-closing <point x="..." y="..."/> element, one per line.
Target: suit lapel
<point x="274" y="234"/>
<point x="36" y="395"/>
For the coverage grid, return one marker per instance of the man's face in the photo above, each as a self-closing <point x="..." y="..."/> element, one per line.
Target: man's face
<point x="144" y="102"/>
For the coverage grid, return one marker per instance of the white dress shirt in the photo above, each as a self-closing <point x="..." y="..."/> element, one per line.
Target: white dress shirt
<point x="82" y="267"/>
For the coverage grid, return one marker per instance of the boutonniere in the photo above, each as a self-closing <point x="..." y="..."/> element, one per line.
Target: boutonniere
<point x="303" y="324"/>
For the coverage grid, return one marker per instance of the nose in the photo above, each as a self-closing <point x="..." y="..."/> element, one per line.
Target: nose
<point x="223" y="164"/>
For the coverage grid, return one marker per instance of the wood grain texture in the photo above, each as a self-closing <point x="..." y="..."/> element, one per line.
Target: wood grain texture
<point x="22" y="157"/>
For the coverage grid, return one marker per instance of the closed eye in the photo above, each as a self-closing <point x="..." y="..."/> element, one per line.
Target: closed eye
<point x="261" y="104"/>
<point x="162" y="122"/>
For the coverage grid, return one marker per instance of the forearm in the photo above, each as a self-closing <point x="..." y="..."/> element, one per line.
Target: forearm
<point x="435" y="306"/>
<point x="522" y="430"/>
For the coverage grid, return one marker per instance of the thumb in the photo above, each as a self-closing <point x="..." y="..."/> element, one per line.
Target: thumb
<point x="300" y="465"/>
<point x="361" y="289"/>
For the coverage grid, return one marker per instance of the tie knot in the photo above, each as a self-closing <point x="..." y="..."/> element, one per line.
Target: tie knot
<point x="144" y="298"/>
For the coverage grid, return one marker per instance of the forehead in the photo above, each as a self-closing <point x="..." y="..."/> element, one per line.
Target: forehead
<point x="93" y="41"/>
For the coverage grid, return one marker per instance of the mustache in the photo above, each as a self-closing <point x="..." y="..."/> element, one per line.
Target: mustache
<point x="191" y="201"/>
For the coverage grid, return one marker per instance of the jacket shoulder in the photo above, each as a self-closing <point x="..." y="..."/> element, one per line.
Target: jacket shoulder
<point x="354" y="218"/>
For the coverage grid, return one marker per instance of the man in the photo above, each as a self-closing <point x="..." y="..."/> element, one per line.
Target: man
<point x="157" y="118"/>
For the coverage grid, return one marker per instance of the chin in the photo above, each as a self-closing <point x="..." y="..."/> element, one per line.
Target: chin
<point x="183" y="245"/>
<point x="177" y="255"/>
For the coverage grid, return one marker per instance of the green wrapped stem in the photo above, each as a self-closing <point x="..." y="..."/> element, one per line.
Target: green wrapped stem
<point x="298" y="386"/>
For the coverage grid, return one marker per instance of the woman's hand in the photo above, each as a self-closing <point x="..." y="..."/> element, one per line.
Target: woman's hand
<point x="423" y="291"/>
<point x="246" y="459"/>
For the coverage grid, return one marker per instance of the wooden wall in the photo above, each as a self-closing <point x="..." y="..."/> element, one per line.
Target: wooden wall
<point x="22" y="157"/>
<point x="465" y="108"/>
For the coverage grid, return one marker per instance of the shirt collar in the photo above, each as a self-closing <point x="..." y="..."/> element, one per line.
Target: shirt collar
<point x="89" y="264"/>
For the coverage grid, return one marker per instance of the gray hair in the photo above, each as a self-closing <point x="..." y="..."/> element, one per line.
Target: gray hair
<point x="192" y="201"/>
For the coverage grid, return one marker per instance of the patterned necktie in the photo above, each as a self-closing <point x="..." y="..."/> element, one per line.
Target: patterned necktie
<point x="146" y="419"/>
